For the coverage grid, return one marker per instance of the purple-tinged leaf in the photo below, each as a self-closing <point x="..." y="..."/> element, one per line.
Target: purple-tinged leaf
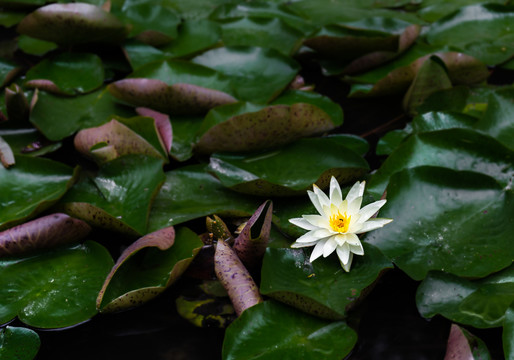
<point x="251" y="243"/>
<point x="45" y="232"/>
<point x="162" y="122"/>
<point x="462" y="345"/>
<point x="235" y="278"/>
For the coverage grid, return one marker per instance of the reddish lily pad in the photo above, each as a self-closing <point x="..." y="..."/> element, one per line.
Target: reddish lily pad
<point x="147" y="267"/>
<point x="44" y="232"/>
<point x="464" y="345"/>
<point x="74" y="23"/>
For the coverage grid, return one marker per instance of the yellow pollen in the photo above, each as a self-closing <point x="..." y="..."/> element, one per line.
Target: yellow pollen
<point x="340" y="223"/>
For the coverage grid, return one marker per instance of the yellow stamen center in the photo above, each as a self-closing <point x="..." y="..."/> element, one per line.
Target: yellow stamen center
<point x="340" y="223"/>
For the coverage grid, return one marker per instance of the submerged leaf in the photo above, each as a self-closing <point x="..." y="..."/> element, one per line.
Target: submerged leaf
<point x="44" y="232"/>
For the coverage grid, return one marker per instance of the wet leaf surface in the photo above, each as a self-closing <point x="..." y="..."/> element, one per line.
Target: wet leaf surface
<point x="18" y="343"/>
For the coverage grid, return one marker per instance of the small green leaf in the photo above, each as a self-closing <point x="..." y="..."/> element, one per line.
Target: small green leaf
<point x="275" y="331"/>
<point x="193" y="37"/>
<point x="54" y="289"/>
<point x="17" y="343"/>
<point x="33" y="46"/>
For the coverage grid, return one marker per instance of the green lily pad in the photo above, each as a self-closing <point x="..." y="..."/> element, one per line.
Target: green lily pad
<point x="31" y="186"/>
<point x="256" y="74"/>
<point x="175" y="87"/>
<point x="435" y="9"/>
<point x="8" y="71"/>
<point x="147" y="267"/>
<point x="184" y="136"/>
<point x="497" y="120"/>
<point x="390" y="141"/>
<point x="67" y="74"/>
<point x="195" y="9"/>
<point x="54" y="289"/>
<point x="139" y="54"/>
<point x="121" y="137"/>
<point x="321" y="288"/>
<point x="508" y="333"/>
<point x="455" y="221"/>
<point x="459" y="149"/>
<point x="28" y="142"/>
<point x="58" y="117"/>
<point x="194" y="36"/>
<point x="280" y="172"/>
<point x="190" y="192"/>
<point x="33" y="46"/>
<point x="119" y="197"/>
<point x="479" y="303"/>
<point x="433" y="121"/>
<point x="482" y="31"/>
<point x="263" y="32"/>
<point x="17" y="343"/>
<point x="74" y="23"/>
<point x="247" y="127"/>
<point x="275" y="331"/>
<point x="10" y="18"/>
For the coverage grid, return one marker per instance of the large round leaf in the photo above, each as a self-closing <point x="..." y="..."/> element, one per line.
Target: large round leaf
<point x="67" y="73"/>
<point x="17" y="343"/>
<point x="58" y="117"/>
<point x="147" y="267"/>
<point x="321" y="288"/>
<point x="455" y="221"/>
<point x="257" y="74"/>
<point x="289" y="170"/>
<point x="193" y="37"/>
<point x="480" y="303"/>
<point x="54" y="289"/>
<point x="119" y="197"/>
<point x="274" y="331"/>
<point x="72" y="24"/>
<point x="190" y="192"/>
<point x="31" y="186"/>
<point x="459" y="149"/>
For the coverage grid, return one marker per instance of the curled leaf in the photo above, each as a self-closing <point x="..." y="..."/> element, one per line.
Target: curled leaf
<point x="462" y="345"/>
<point x="251" y="243"/>
<point x="162" y="122"/>
<point x="45" y="232"/>
<point x="218" y="228"/>
<point x="6" y="154"/>
<point x="235" y="278"/>
<point x="17" y="105"/>
<point x="179" y="99"/>
<point x="74" y="23"/>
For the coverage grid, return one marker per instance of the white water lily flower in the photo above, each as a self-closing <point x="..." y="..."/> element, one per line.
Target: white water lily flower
<point x="339" y="222"/>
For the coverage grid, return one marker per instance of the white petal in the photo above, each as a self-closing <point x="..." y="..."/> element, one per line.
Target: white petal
<point x="304" y="224"/>
<point x="357" y="249"/>
<point x="336" y="197"/>
<point x="356" y="191"/>
<point x="308" y="237"/>
<point x="347" y="266"/>
<point x="369" y="210"/>
<point x="316" y="220"/>
<point x="318" y="250"/>
<point x="329" y="247"/>
<point x="343" y="252"/>
<point x="354" y="206"/>
<point x="352" y="239"/>
<point x="315" y="201"/>
<point x="373" y="224"/>
<point x="322" y="197"/>
<point x="296" y="245"/>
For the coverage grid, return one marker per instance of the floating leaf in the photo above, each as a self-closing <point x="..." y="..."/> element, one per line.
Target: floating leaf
<point x="193" y="37"/>
<point x="251" y="243"/>
<point x="31" y="186"/>
<point x="235" y="278"/>
<point x="463" y="345"/>
<point x="67" y="74"/>
<point x="147" y="267"/>
<point x="480" y="303"/>
<point x="273" y="330"/>
<point x="119" y="197"/>
<point x="456" y="221"/>
<point x="33" y="46"/>
<point x="17" y="343"/>
<point x="54" y="289"/>
<point x="482" y="31"/>
<point x="184" y="136"/>
<point x="139" y="54"/>
<point x="74" y="23"/>
<point x="162" y="123"/>
<point x="281" y="172"/>
<point x="28" y="142"/>
<point x="8" y="70"/>
<point x="226" y="129"/>
<point x="190" y="192"/>
<point x="58" y="117"/>
<point x="44" y="232"/>
<point x="459" y="149"/>
<point x="256" y="74"/>
<point x="320" y="288"/>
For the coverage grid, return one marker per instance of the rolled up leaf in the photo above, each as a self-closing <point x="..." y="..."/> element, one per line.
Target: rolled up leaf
<point x="45" y="232"/>
<point x="219" y="229"/>
<point x="251" y="243"/>
<point x="6" y="154"/>
<point x="234" y="277"/>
